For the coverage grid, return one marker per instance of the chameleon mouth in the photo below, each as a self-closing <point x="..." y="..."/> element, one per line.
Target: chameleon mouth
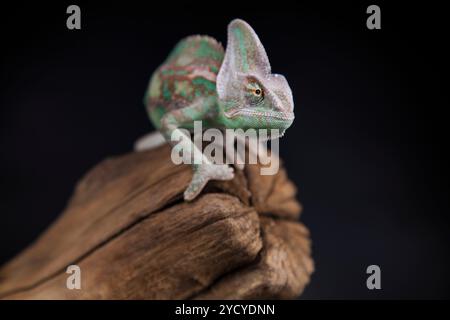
<point x="266" y="114"/>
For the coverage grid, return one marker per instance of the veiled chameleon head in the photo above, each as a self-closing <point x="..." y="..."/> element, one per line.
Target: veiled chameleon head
<point x="250" y="96"/>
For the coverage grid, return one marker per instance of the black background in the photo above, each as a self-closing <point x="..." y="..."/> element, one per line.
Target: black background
<point x="367" y="149"/>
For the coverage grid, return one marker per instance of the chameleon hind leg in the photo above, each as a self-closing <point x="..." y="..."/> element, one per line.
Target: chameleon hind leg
<point x="204" y="170"/>
<point x="149" y="141"/>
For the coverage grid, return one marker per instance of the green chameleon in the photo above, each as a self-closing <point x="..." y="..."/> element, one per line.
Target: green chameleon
<point x="225" y="89"/>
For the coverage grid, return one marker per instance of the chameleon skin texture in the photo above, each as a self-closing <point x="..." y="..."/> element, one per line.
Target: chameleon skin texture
<point x="232" y="88"/>
<point x="189" y="72"/>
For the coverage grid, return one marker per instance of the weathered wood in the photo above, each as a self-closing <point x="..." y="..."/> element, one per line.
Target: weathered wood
<point x="133" y="237"/>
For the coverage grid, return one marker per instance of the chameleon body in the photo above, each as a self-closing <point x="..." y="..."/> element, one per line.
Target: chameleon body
<point x="232" y="88"/>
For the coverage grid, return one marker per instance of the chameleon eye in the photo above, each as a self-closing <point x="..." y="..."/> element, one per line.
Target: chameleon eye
<point x="254" y="92"/>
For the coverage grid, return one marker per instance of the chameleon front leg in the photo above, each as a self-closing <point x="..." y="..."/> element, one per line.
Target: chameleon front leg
<point x="205" y="170"/>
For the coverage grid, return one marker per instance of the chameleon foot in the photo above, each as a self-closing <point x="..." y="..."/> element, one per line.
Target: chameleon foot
<point x="202" y="174"/>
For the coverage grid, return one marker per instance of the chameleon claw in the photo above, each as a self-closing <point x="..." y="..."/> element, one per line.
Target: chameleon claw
<point x="204" y="173"/>
<point x="193" y="190"/>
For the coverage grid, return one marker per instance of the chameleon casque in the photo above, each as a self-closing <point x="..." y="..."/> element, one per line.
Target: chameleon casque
<point x="232" y="88"/>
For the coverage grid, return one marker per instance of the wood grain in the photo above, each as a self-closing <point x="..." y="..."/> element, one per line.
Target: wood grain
<point x="132" y="235"/>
